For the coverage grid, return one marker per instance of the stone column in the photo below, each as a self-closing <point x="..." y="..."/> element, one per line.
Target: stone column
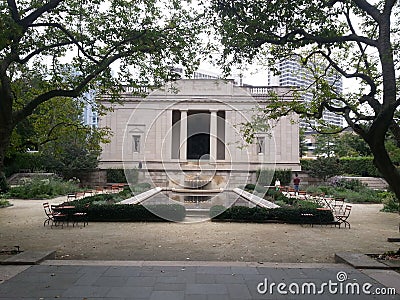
<point x="183" y="136"/>
<point x="213" y="135"/>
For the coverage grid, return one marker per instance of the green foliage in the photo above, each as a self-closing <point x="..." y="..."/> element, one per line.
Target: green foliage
<point x="116" y="176"/>
<point x="135" y="213"/>
<point x="325" y="167"/>
<point x="350" y="184"/>
<point x="268" y="177"/>
<point x="140" y="39"/>
<point x="63" y="143"/>
<point x="341" y="145"/>
<point x="42" y="188"/>
<point x="141" y="187"/>
<point x="285" y="176"/>
<point x="105" y="208"/>
<point x="322" y="167"/>
<point x="362" y="166"/>
<point x="283" y="214"/>
<point x="320" y="36"/>
<point x="390" y="202"/>
<point x="249" y="187"/>
<point x="361" y="194"/>
<point x="4" y="203"/>
<point x="122" y="175"/>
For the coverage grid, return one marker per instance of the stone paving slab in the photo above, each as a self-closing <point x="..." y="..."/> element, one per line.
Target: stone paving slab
<point x="359" y="261"/>
<point x="29" y="258"/>
<point x="171" y="280"/>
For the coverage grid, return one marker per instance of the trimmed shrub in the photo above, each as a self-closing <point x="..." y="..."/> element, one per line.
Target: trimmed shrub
<point x="283" y="214"/>
<point x="136" y="213"/>
<point x="326" y="167"/>
<point x="249" y="187"/>
<point x="362" y="166"/>
<point x="104" y="208"/>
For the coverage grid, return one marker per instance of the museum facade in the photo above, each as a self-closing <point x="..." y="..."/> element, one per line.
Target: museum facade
<point x="188" y="134"/>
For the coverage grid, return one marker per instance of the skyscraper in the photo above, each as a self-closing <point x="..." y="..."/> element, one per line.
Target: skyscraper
<point x="292" y="73"/>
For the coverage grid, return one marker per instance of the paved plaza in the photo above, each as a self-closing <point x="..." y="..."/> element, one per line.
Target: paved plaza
<point x="195" y="281"/>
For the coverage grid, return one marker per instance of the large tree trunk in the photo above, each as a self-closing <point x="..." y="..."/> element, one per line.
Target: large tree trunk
<point x="386" y="167"/>
<point x="6" y="125"/>
<point x="5" y="136"/>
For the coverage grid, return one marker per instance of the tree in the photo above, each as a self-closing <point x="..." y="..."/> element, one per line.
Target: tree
<point x="358" y="39"/>
<point x="342" y="144"/>
<point x="324" y="167"/>
<point x="302" y="143"/>
<point x="350" y="144"/>
<point x="57" y="131"/>
<point x="325" y="145"/>
<point x="62" y="48"/>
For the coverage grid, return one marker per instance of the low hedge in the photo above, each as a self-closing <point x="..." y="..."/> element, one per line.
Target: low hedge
<point x="283" y="214"/>
<point x="104" y="208"/>
<point x="136" y="213"/>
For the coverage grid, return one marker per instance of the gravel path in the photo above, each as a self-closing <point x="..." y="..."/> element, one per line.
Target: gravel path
<point x="22" y="224"/>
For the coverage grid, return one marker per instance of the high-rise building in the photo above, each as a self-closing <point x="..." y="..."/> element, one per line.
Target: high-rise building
<point x="292" y="73"/>
<point x="90" y="116"/>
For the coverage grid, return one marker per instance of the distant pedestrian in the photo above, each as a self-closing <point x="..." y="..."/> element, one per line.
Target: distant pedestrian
<point x="296" y="182"/>
<point x="277" y="184"/>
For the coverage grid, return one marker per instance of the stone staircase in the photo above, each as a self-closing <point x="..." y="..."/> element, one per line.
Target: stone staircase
<point x="372" y="182"/>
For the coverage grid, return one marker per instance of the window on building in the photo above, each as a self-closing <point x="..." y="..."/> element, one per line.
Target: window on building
<point x="260" y="145"/>
<point x="136" y="143"/>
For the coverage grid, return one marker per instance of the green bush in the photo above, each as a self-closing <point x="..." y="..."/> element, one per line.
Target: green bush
<point x="285" y="176"/>
<point x="363" y="195"/>
<point x="362" y="166"/>
<point x="257" y="214"/>
<point x="102" y="199"/>
<point x="350" y="184"/>
<point x="249" y="187"/>
<point x="122" y="176"/>
<point x="322" y="167"/>
<point x="31" y="162"/>
<point x="135" y="213"/>
<point x="268" y="177"/>
<point x="42" y="188"/>
<point x="141" y="187"/>
<point x="278" y="196"/>
<point x="390" y="202"/>
<point x="104" y="207"/>
<point x="116" y="176"/>
<point x="4" y="203"/>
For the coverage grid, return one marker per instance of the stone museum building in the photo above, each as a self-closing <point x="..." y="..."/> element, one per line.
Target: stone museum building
<point x="188" y="134"/>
